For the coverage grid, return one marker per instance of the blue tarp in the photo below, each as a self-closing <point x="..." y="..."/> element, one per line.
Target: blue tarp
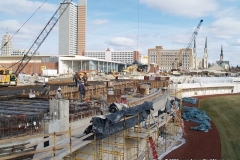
<point x="190" y="100"/>
<point x="112" y="124"/>
<point x="198" y="116"/>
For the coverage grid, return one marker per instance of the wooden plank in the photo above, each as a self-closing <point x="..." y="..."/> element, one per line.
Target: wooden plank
<point x="43" y="156"/>
<point x="13" y="152"/>
<point x="27" y="153"/>
<point x="15" y="146"/>
<point x="34" y="152"/>
<point x="77" y="141"/>
<point x="31" y="137"/>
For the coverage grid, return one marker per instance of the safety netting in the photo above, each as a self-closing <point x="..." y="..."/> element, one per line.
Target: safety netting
<point x="190" y="100"/>
<point x="198" y="116"/>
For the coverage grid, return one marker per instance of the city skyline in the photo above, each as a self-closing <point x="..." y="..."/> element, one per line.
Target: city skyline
<point x="134" y="25"/>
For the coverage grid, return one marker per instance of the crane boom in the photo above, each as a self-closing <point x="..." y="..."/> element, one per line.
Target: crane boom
<point x="189" y="45"/>
<point x="42" y="36"/>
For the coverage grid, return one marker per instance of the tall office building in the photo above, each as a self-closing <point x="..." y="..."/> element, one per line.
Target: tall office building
<point x="6" y="48"/>
<point x="81" y="42"/>
<point x="68" y="30"/>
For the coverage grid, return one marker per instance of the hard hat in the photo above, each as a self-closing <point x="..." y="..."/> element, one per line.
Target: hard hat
<point x="59" y="89"/>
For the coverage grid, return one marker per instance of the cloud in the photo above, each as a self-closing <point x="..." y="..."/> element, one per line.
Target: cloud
<point x="12" y="26"/>
<point x="226" y="12"/>
<point x="100" y="21"/>
<point x="24" y="6"/>
<point x="225" y="26"/>
<point x="236" y="43"/>
<point x="122" y="42"/>
<point x="185" y="8"/>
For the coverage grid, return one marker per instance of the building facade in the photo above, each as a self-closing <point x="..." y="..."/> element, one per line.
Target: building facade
<point x="200" y="62"/>
<point x="205" y="56"/>
<point x="221" y="62"/>
<point x="170" y="59"/>
<point x="6" y="47"/>
<point x="81" y="30"/>
<point x="21" y="52"/>
<point x="68" y="30"/>
<point x="64" y="64"/>
<point x="118" y="56"/>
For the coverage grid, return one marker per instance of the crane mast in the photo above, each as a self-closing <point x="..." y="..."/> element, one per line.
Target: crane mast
<point x="189" y="45"/>
<point x="43" y="35"/>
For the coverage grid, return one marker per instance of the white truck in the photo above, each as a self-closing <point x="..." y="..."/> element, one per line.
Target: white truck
<point x="49" y="73"/>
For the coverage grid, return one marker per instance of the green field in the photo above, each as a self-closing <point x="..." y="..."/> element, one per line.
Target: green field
<point x="225" y="113"/>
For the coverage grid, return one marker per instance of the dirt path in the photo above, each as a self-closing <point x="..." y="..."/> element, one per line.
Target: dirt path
<point x="199" y="145"/>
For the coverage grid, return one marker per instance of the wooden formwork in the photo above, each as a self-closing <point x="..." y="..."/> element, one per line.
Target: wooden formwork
<point x="72" y="93"/>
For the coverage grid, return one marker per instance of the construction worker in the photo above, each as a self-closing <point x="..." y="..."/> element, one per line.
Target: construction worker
<point x="76" y="78"/>
<point x="85" y="78"/>
<point x="58" y="94"/>
<point x="82" y="90"/>
<point x="45" y="90"/>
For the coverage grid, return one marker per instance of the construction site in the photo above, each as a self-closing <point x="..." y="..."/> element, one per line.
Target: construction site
<point x="95" y="109"/>
<point x="42" y="127"/>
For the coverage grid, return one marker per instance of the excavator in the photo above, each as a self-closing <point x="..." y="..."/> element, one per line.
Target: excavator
<point x="8" y="78"/>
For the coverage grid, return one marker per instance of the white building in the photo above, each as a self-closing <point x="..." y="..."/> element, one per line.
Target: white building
<point x="68" y="30"/>
<point x="6" y="47"/>
<point x="118" y="56"/>
<point x="20" y="52"/>
<point x="198" y="62"/>
<point x="72" y="63"/>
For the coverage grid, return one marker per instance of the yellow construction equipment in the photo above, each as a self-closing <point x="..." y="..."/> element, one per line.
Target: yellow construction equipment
<point x="7" y="78"/>
<point x="132" y="68"/>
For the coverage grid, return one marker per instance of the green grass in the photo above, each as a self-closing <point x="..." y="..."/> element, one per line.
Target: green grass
<point x="224" y="111"/>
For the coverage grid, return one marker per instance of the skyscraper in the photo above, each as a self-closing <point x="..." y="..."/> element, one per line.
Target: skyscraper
<point x="82" y="11"/>
<point x="68" y="30"/>
<point x="6" y="48"/>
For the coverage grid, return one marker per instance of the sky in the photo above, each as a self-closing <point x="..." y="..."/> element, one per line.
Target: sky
<point x="127" y="25"/>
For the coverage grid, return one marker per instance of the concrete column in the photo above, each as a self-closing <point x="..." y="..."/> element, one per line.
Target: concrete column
<point x="72" y="66"/>
<point x="59" y="112"/>
<point x="81" y="65"/>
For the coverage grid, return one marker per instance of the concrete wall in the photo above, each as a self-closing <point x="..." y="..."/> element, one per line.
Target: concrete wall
<point x="197" y="89"/>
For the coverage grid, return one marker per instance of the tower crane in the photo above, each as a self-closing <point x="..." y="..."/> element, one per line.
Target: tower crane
<point x="189" y="45"/>
<point x="42" y="36"/>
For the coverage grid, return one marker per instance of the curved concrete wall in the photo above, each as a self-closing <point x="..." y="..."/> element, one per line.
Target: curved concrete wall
<point x="198" y="89"/>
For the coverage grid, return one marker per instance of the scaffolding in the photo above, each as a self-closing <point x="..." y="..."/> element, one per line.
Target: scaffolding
<point x="133" y="143"/>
